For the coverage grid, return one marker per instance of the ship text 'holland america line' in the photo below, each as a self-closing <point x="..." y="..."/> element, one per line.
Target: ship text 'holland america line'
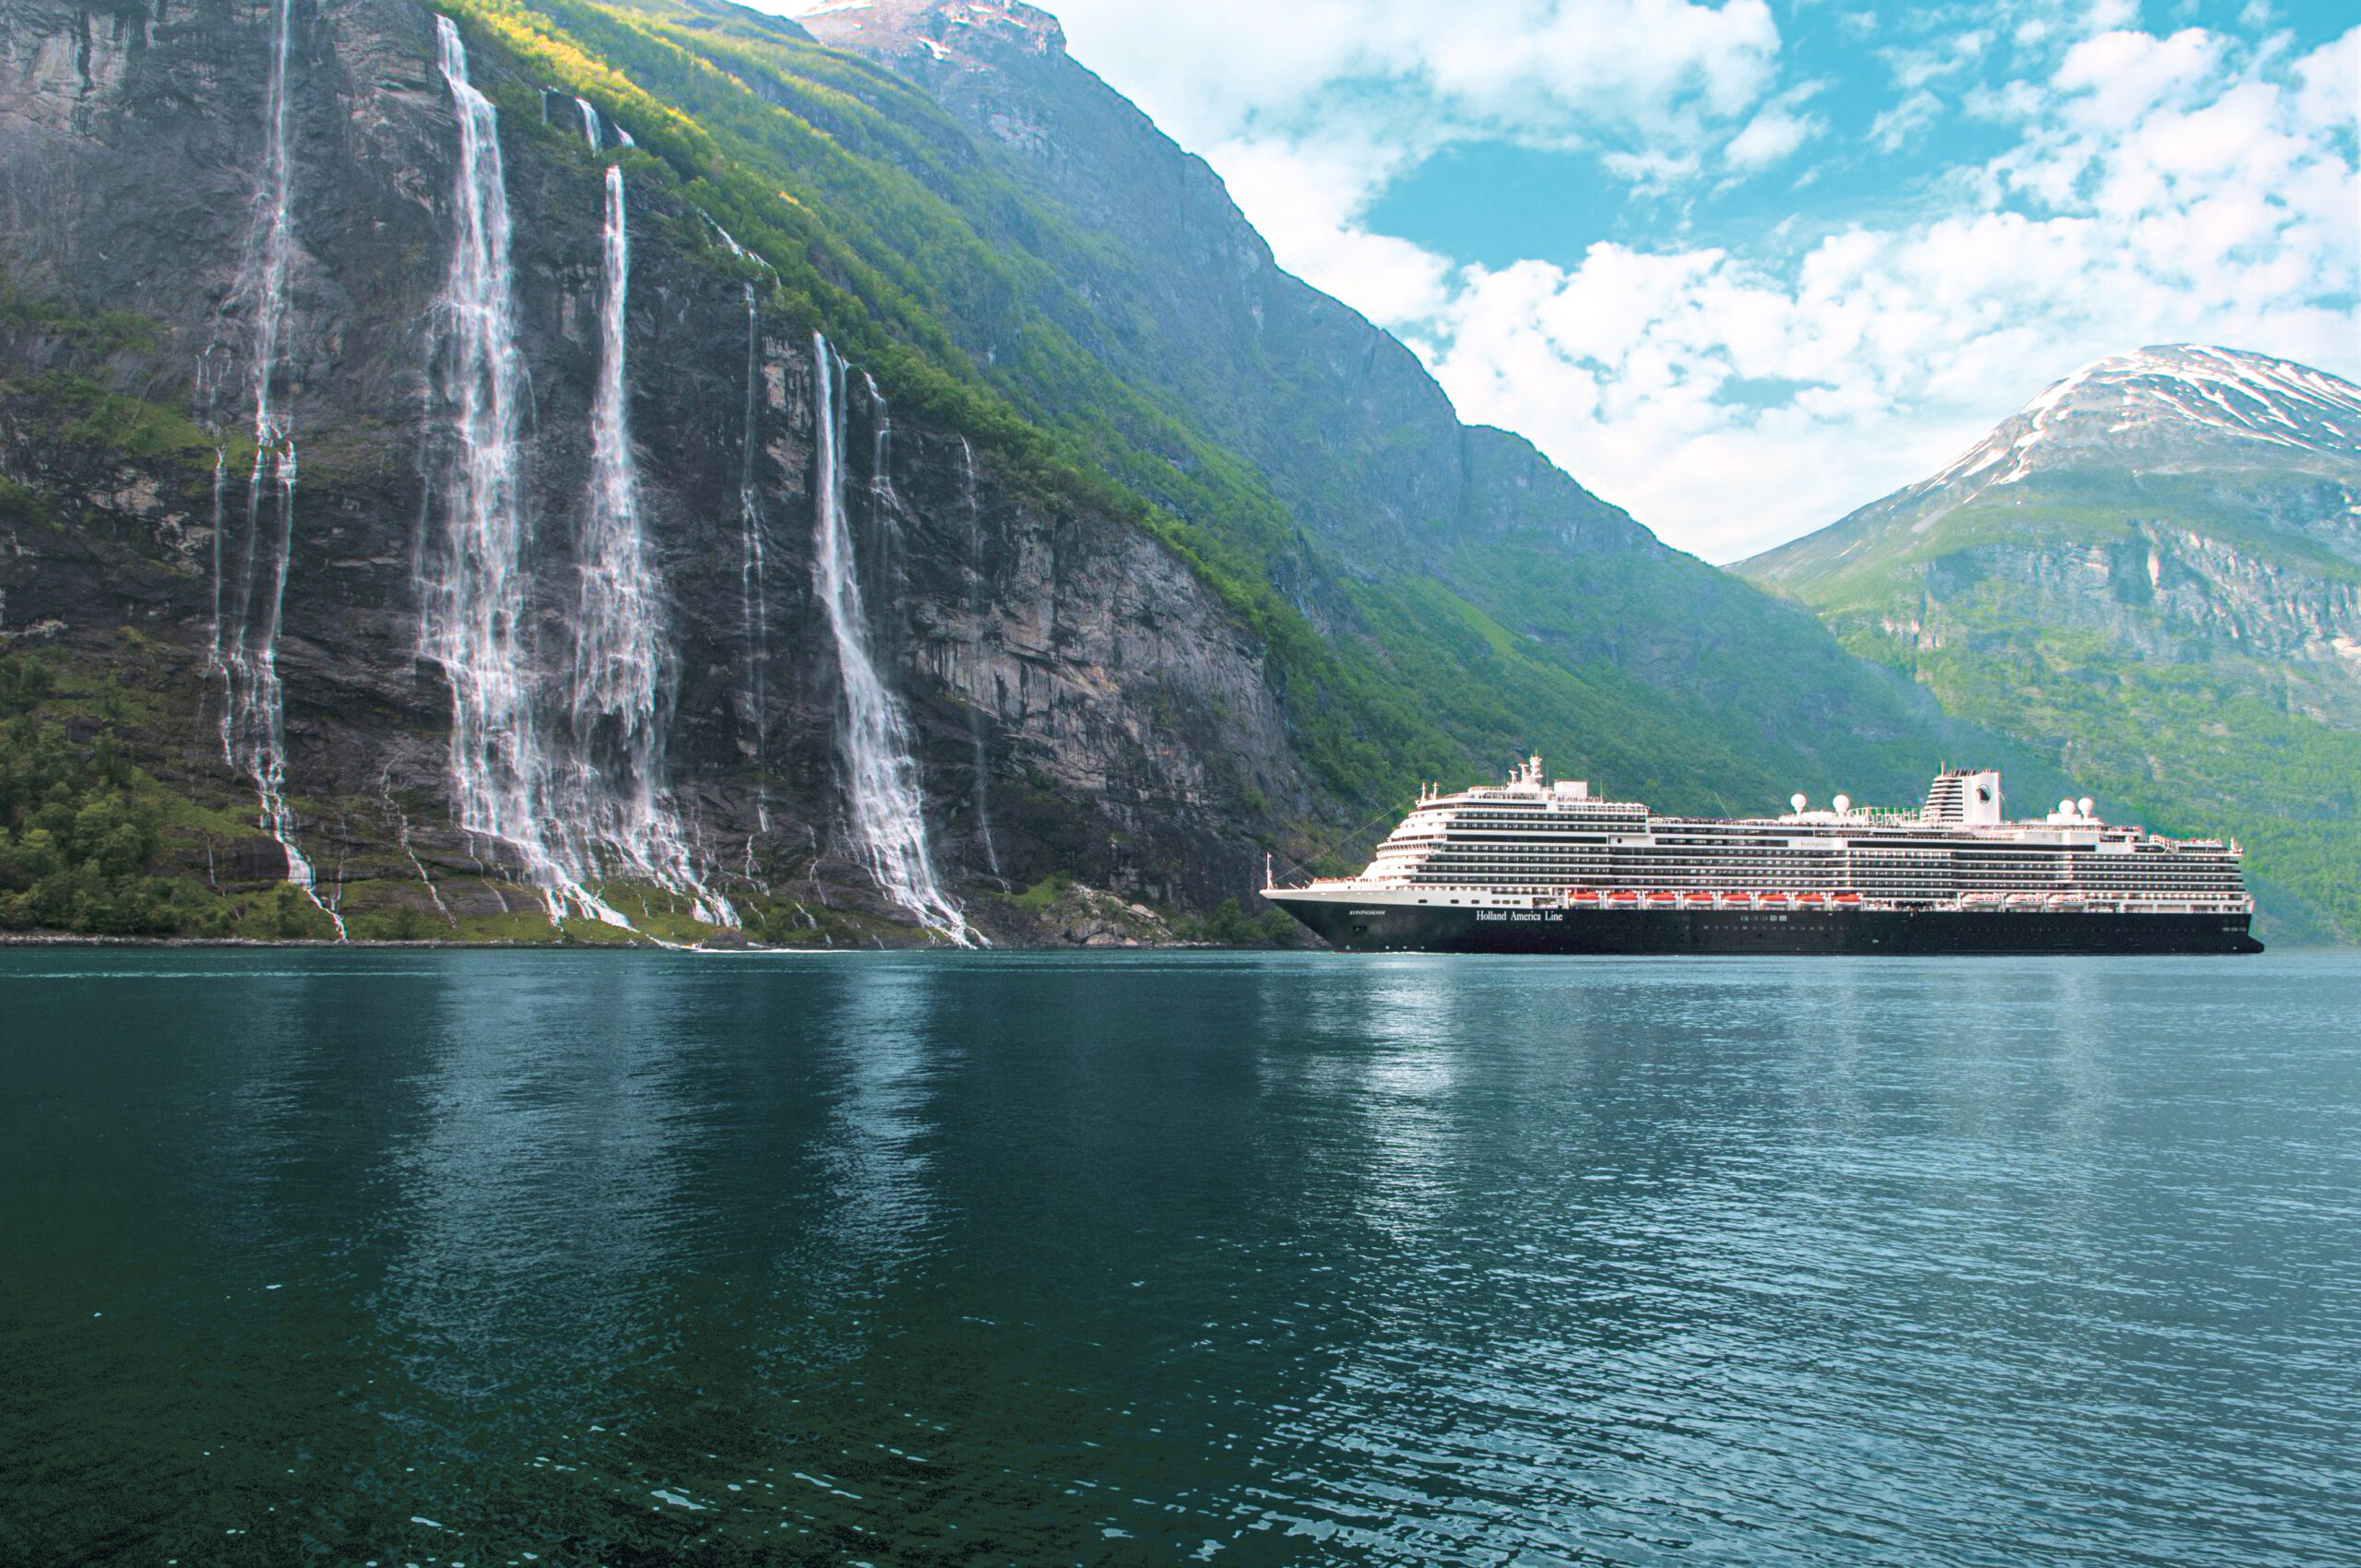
<point x="1536" y="867"/>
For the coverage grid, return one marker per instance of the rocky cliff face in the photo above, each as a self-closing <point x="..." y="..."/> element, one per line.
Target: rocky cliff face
<point x="1076" y="698"/>
<point x="2164" y="592"/>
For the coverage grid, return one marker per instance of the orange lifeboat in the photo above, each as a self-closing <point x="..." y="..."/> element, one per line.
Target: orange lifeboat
<point x="1662" y="898"/>
<point x="1698" y="900"/>
<point x="1773" y="900"/>
<point x="1845" y="900"/>
<point x="1623" y="899"/>
<point x="1584" y="897"/>
<point x="1815" y="900"/>
<point x="1738" y="897"/>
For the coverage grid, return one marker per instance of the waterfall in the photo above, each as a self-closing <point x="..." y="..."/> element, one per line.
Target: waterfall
<point x="753" y="597"/>
<point x="888" y="820"/>
<point x="977" y="600"/>
<point x="245" y="650"/>
<point x="590" y="121"/>
<point x="616" y="696"/>
<point x="574" y="794"/>
<point x="473" y="616"/>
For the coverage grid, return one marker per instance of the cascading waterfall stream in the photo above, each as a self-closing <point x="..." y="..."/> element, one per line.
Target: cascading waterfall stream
<point x="245" y="649"/>
<point x="474" y="594"/>
<point x="616" y="695"/>
<point x="977" y="599"/>
<point x="575" y="797"/>
<point x="888" y="818"/>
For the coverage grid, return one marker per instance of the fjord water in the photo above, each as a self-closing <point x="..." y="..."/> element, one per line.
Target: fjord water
<point x="453" y="1257"/>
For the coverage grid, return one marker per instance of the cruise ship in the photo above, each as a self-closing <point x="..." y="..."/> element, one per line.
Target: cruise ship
<point x="1538" y="866"/>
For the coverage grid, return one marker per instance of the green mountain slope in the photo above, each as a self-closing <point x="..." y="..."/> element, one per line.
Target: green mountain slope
<point x="2152" y="573"/>
<point x="1442" y="597"/>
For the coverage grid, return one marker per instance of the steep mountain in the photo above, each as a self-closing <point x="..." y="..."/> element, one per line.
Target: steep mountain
<point x="637" y="461"/>
<point x="1180" y="294"/>
<point x="2152" y="573"/>
<point x="1393" y="497"/>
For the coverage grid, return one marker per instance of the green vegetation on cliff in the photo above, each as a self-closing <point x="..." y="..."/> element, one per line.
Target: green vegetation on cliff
<point x="75" y="838"/>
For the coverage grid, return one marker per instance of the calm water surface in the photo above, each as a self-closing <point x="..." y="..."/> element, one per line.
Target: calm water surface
<point x="477" y="1258"/>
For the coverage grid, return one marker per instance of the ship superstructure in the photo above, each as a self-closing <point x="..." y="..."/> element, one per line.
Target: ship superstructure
<point x="1535" y="865"/>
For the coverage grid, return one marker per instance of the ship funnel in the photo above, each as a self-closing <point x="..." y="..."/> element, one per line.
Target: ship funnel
<point x="1969" y="798"/>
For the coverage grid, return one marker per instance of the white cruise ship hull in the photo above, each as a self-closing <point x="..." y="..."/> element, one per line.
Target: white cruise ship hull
<point x="1374" y="926"/>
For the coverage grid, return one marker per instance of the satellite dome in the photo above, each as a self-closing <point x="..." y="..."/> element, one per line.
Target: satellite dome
<point x="1796" y="801"/>
<point x="1843" y="804"/>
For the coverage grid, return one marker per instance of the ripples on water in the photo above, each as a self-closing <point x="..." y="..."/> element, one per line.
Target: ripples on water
<point x="455" y="1257"/>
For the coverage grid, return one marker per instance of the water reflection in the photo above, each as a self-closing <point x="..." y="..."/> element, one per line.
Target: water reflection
<point x="1039" y="1258"/>
<point x="540" y="1197"/>
<point x="1413" y="1040"/>
<point x="252" y="1100"/>
<point x="876" y="1061"/>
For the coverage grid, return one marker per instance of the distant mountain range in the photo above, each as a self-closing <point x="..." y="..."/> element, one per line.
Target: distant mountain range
<point x="2151" y="574"/>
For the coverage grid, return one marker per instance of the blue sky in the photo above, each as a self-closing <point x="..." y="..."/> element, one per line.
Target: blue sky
<point x="1744" y="266"/>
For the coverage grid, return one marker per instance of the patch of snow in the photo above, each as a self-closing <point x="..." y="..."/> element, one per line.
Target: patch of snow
<point x="2248" y="396"/>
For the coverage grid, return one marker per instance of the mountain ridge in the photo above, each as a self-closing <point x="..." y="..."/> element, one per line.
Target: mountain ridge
<point x="1001" y="69"/>
<point x="2150" y="574"/>
<point x="1361" y="441"/>
<point x="2172" y="390"/>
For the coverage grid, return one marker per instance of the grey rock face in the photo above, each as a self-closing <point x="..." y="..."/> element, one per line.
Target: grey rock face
<point x="1067" y="680"/>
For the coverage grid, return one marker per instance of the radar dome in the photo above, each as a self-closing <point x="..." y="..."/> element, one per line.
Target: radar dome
<point x="2086" y="805"/>
<point x="1797" y="801"/>
<point x="1843" y="804"/>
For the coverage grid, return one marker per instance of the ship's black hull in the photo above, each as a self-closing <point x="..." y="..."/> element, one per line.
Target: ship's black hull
<point x="1424" y="929"/>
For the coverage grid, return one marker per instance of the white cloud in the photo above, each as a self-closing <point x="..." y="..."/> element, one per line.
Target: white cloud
<point x="2163" y="189"/>
<point x="1895" y="125"/>
<point x="2171" y="198"/>
<point x="1302" y="199"/>
<point x="1769" y="137"/>
<point x="1544" y="70"/>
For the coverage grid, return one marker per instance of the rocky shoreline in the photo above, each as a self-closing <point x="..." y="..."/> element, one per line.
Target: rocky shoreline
<point x="1051" y="918"/>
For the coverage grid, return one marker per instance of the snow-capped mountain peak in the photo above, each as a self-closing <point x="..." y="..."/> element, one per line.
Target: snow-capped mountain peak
<point x="2162" y="400"/>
